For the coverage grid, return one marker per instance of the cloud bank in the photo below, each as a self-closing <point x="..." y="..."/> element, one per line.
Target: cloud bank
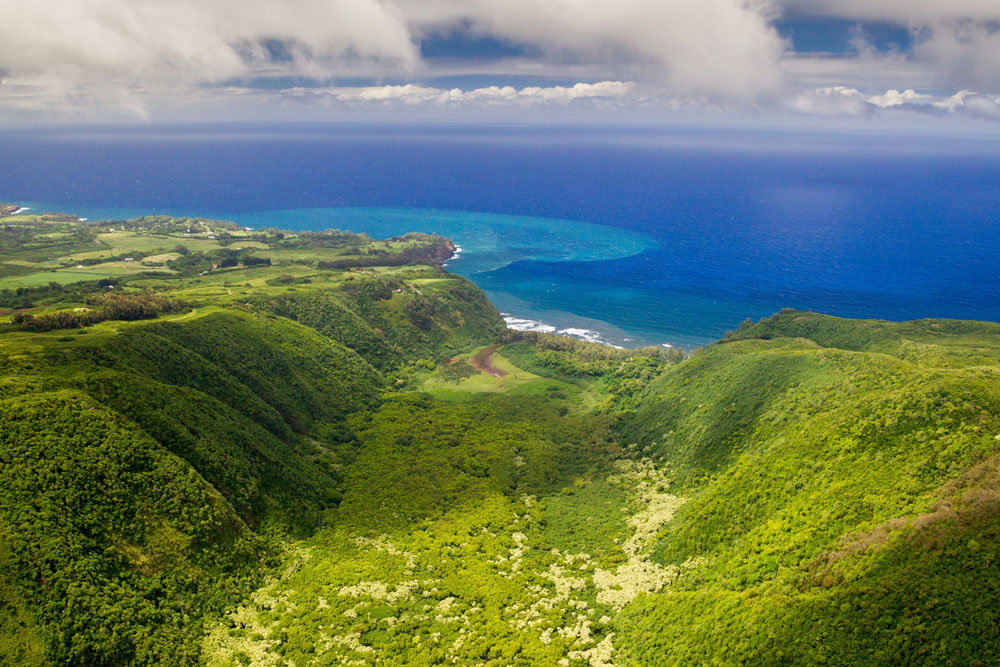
<point x="844" y="101"/>
<point x="136" y="58"/>
<point x="80" y="41"/>
<point x="410" y="94"/>
<point x="903" y="12"/>
<point x="711" y="47"/>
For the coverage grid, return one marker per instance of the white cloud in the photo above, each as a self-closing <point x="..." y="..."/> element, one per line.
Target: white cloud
<point x="895" y="98"/>
<point x="904" y="12"/>
<point x="866" y="71"/>
<point x="846" y="101"/>
<point x="829" y="101"/>
<point x="145" y="59"/>
<point x="972" y="104"/>
<point x="720" y="48"/>
<point x="712" y="46"/>
<point x="963" y="53"/>
<point x="957" y="41"/>
<point x="490" y="96"/>
<point x="153" y="41"/>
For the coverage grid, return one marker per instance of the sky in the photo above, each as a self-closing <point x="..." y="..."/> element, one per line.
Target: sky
<point x="925" y="63"/>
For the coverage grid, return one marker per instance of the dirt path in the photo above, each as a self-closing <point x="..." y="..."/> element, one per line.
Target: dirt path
<point x="483" y="361"/>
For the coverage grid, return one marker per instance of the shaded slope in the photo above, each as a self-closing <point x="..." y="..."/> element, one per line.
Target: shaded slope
<point x="148" y="471"/>
<point x="97" y="518"/>
<point x="388" y="320"/>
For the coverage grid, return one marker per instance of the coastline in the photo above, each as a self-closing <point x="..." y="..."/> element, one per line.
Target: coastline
<point x="524" y="323"/>
<point x="463" y="261"/>
<point x="518" y="323"/>
<point x="455" y="254"/>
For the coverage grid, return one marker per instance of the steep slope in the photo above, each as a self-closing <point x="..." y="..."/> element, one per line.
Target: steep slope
<point x="843" y="496"/>
<point x="389" y="320"/>
<point x="115" y="545"/>
<point x="149" y="470"/>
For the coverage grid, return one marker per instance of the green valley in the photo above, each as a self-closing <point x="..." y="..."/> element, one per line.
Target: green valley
<point x="227" y="446"/>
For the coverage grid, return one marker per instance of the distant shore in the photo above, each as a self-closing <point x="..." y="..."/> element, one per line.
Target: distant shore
<point x="587" y="335"/>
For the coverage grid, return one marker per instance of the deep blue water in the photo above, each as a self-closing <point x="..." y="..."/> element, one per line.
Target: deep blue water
<point x="726" y="224"/>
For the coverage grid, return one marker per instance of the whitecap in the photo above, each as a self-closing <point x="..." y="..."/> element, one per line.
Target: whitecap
<point x="454" y="255"/>
<point x="523" y="324"/>
<point x="584" y="334"/>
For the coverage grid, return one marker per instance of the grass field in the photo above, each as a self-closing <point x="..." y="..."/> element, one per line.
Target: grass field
<point x="63" y="277"/>
<point x="49" y="252"/>
<point x="437" y="385"/>
<point x="442" y="383"/>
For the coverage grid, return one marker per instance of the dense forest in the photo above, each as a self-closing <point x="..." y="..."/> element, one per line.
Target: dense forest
<point x="336" y="453"/>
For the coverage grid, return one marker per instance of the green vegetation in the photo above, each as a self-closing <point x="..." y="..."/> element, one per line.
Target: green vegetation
<point x="103" y="307"/>
<point x="155" y="460"/>
<point x="842" y="489"/>
<point x="259" y="447"/>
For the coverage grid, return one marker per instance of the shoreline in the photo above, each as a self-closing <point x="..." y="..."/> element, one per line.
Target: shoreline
<point x="587" y="335"/>
<point x="455" y="254"/>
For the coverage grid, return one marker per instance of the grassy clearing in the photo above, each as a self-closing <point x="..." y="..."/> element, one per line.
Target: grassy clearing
<point x="63" y="277"/>
<point x="446" y="384"/>
<point x="50" y="252"/>
<point x="459" y="381"/>
<point x="8" y="269"/>
<point x="161" y="258"/>
<point x="132" y="241"/>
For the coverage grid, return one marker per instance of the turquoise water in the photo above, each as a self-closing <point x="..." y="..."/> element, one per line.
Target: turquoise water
<point x="487" y="241"/>
<point x="486" y="244"/>
<point x="639" y="236"/>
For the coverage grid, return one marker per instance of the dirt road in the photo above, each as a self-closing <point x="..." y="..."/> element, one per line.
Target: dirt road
<point x="483" y="361"/>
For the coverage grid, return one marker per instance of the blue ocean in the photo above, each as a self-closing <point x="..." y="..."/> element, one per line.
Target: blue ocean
<point x="630" y="237"/>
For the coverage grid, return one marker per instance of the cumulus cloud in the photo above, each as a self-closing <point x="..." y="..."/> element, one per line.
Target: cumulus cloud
<point x="711" y="46"/>
<point x="895" y="98"/>
<point x="724" y="48"/>
<point x="964" y="53"/>
<point x="489" y="96"/>
<point x="153" y="41"/>
<point x="957" y="40"/>
<point x="135" y="58"/>
<point x="972" y="104"/>
<point x="829" y="101"/>
<point x="846" y="101"/>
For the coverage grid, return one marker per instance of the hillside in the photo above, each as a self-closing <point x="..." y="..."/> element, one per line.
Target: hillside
<point x="229" y="447"/>
<point x="843" y="502"/>
<point x="164" y="430"/>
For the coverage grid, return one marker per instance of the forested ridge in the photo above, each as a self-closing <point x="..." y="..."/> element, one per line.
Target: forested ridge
<point x="295" y="460"/>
